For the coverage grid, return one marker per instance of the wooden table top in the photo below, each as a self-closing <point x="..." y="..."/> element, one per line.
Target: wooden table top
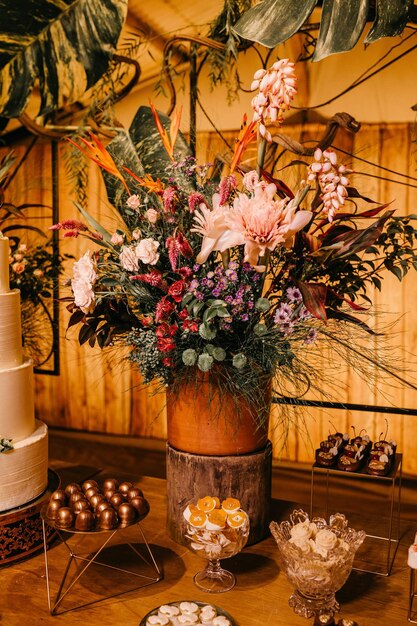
<point x="260" y="597"/>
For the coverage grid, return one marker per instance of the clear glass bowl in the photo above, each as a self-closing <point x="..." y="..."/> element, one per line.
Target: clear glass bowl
<point x="215" y="545"/>
<point x="317" y="558"/>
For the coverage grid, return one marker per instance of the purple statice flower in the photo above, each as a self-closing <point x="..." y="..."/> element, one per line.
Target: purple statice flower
<point x="303" y="313"/>
<point x="250" y="305"/>
<point x="233" y="265"/>
<point x="229" y="299"/>
<point x="287" y="328"/>
<point x="216" y="292"/>
<point x="294" y="294"/>
<point x="227" y="185"/>
<point x="311" y="336"/>
<point x="210" y="274"/>
<point x="245" y="317"/>
<point x="199" y="296"/>
<point x="196" y="267"/>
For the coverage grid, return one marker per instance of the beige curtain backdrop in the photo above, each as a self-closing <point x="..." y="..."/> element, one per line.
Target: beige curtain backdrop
<point x="98" y="391"/>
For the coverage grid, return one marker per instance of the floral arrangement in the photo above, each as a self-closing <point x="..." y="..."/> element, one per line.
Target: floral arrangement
<point x="233" y="278"/>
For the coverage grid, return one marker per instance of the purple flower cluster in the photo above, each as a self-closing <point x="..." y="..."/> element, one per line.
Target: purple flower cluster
<point x="291" y="313"/>
<point x="237" y="290"/>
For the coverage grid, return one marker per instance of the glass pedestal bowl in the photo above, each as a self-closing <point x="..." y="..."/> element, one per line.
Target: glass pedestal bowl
<point x="317" y="558"/>
<point x="215" y="545"/>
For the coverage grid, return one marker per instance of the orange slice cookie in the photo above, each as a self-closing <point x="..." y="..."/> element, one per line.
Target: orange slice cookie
<point x="191" y="509"/>
<point x="198" y="520"/>
<point x="230" y="505"/>
<point x="216" y="520"/>
<point x="237" y="520"/>
<point x="206" y="504"/>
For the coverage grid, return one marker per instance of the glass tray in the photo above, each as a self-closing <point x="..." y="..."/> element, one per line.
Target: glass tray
<point x="200" y="604"/>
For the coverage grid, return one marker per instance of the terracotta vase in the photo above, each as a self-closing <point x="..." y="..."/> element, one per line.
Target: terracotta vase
<point x="202" y="419"/>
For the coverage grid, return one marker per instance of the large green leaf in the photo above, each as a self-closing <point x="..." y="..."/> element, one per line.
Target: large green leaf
<point x="273" y="21"/>
<point x="391" y="18"/>
<point x="341" y="26"/>
<point x="64" y="45"/>
<point x="141" y="150"/>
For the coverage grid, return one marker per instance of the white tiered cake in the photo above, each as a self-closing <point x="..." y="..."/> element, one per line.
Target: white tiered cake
<point x="24" y="469"/>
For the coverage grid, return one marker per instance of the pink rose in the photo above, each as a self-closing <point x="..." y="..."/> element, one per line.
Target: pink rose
<point x="152" y="216"/>
<point x="117" y="239"/>
<point x="146" y="251"/>
<point x="137" y="234"/>
<point x="128" y="259"/>
<point x="38" y="273"/>
<point x="250" y="180"/>
<point x="133" y="202"/>
<point x="19" y="268"/>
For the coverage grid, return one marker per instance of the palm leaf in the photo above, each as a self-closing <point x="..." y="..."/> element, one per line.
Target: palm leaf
<point x="65" y="45"/>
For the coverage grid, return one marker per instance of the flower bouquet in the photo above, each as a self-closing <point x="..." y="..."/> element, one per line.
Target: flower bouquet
<point x="231" y="279"/>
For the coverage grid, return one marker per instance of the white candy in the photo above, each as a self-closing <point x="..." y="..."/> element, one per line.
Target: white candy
<point x="187" y="618"/>
<point x="188" y="608"/>
<point x="412" y="556"/>
<point x="207" y="615"/>
<point x="221" y="620"/>
<point x="168" y="610"/>
<point x="157" y="620"/>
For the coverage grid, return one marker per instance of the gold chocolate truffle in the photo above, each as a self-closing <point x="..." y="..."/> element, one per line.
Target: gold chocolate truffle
<point x="87" y="484"/>
<point x="126" y="512"/>
<point x="80" y="505"/>
<point x="59" y="494"/>
<point x="135" y="492"/>
<point x="124" y="487"/>
<point x="108" y="519"/>
<point x="96" y="499"/>
<point x="116" y="500"/>
<point x="77" y="495"/>
<point x="110" y="484"/>
<point x="89" y="493"/>
<point x="141" y="505"/>
<point x="64" y="517"/>
<point x="53" y="508"/>
<point x="101" y="506"/>
<point x="85" y="520"/>
<point x="71" y="488"/>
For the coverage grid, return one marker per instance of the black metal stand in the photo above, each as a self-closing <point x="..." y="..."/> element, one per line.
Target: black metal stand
<point x="392" y="482"/>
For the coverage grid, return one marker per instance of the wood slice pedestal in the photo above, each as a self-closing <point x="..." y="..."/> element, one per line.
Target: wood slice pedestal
<point x="246" y="477"/>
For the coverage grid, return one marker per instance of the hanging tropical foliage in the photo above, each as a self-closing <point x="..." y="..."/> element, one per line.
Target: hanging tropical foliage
<point x="61" y="46"/>
<point x="272" y="22"/>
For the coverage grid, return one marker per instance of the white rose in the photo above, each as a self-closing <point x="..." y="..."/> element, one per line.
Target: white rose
<point x="84" y="269"/>
<point x="128" y="259"/>
<point x="146" y="251"/>
<point x="303" y="543"/>
<point x="325" y="540"/>
<point x="302" y="531"/>
<point x="83" y="294"/>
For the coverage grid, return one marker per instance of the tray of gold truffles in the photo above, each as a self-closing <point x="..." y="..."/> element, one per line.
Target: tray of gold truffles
<point x="93" y="507"/>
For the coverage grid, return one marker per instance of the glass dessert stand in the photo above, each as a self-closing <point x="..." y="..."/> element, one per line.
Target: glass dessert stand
<point x="317" y="559"/>
<point x="149" y="572"/>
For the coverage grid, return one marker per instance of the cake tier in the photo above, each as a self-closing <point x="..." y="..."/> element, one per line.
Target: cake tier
<point x="17" y="417"/>
<point x="10" y="330"/>
<point x="24" y="470"/>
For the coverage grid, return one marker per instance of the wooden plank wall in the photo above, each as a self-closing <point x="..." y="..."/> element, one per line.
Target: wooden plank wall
<point x="98" y="391"/>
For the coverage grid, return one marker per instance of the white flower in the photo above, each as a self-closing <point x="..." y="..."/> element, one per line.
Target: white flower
<point x="84" y="269"/>
<point x="83" y="294"/>
<point x="302" y="530"/>
<point x="146" y="251"/>
<point x="128" y="259"/>
<point x="325" y="540"/>
<point x="250" y="180"/>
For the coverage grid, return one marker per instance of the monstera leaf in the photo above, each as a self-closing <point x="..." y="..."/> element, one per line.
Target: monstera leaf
<point x="63" y="45"/>
<point x="342" y="22"/>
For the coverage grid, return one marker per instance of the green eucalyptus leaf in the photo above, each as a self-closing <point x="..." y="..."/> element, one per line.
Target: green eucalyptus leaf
<point x="63" y="45"/>
<point x="273" y="21"/>
<point x="96" y="225"/>
<point x="341" y="26"/>
<point x="209" y="314"/>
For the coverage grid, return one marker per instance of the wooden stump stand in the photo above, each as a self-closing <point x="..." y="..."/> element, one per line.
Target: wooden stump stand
<point x="246" y="477"/>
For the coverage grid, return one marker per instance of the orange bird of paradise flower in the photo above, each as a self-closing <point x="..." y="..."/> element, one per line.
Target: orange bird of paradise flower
<point x="168" y="140"/>
<point x="147" y="181"/>
<point x="246" y="135"/>
<point x="95" y="151"/>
